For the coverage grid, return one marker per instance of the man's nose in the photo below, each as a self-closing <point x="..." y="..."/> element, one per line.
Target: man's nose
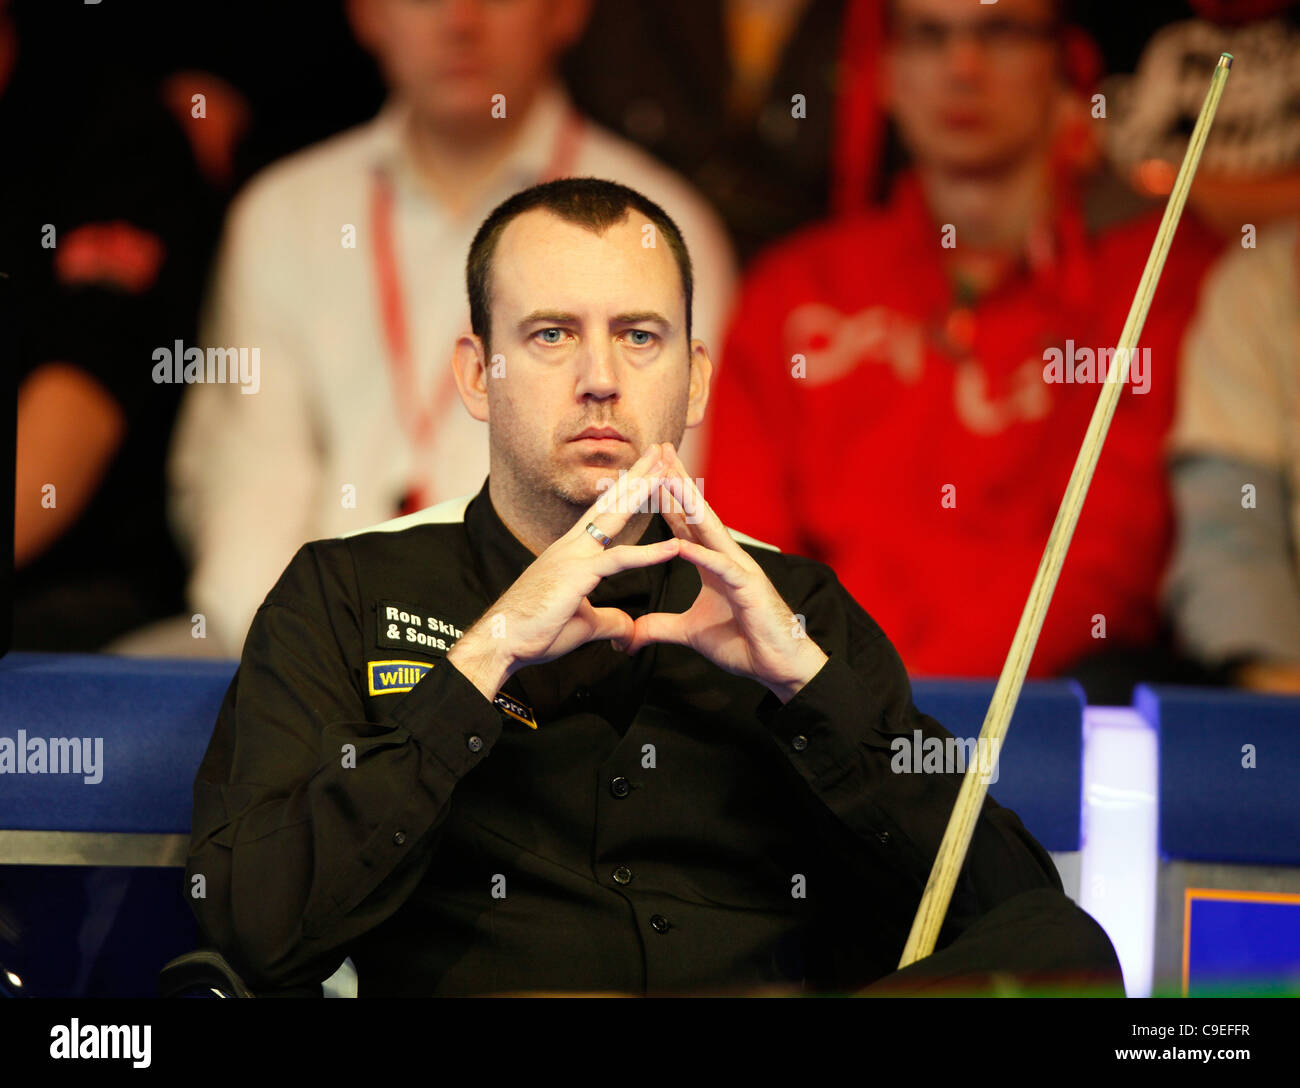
<point x="967" y="55"/>
<point x="597" y="369"/>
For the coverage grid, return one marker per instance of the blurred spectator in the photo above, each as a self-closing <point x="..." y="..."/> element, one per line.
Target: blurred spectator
<point x="343" y="268"/>
<point x="709" y="86"/>
<point x="887" y="401"/>
<point x="103" y="226"/>
<point x="770" y="107"/>
<point x="1250" y="168"/>
<point x="1234" y="583"/>
<point x="1232" y="589"/>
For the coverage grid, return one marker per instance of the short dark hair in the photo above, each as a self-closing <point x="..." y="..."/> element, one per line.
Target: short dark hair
<point x="589" y="202"/>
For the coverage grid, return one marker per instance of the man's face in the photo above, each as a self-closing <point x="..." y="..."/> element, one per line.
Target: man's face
<point x="591" y="332"/>
<point x="973" y="87"/>
<point x="450" y="57"/>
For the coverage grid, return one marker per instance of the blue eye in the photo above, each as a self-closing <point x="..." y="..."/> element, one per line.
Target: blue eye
<point x="543" y="332"/>
<point x="641" y="332"/>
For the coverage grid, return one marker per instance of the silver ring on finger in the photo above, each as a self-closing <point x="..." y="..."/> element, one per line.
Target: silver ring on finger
<point x="605" y="541"/>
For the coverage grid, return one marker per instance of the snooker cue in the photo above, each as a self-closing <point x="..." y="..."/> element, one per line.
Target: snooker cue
<point x="970" y="799"/>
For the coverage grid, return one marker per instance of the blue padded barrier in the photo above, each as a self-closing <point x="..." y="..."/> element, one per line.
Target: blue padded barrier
<point x="102" y="930"/>
<point x="154" y="718"/>
<point x="1040" y="772"/>
<point x="1212" y="808"/>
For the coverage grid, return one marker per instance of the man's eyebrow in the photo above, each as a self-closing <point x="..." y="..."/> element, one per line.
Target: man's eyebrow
<point x="641" y="317"/>
<point x="557" y="316"/>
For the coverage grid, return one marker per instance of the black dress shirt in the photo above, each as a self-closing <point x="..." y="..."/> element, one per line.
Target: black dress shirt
<point x="667" y="828"/>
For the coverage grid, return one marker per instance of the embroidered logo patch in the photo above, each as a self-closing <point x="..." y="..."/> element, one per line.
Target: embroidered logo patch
<point x="409" y="627"/>
<point x="387" y="677"/>
<point x="391" y="677"/>
<point x="516" y="709"/>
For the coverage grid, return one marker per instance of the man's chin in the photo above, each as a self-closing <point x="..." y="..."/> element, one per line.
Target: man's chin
<point x="979" y="157"/>
<point x="582" y="484"/>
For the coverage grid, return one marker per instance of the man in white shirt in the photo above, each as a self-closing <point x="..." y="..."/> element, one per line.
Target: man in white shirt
<point x="343" y="267"/>
<point x="1233" y="588"/>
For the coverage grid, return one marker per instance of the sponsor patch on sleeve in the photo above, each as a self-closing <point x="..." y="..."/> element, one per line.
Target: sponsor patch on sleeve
<point x="516" y="709"/>
<point x="393" y="676"/>
<point x="388" y="677"/>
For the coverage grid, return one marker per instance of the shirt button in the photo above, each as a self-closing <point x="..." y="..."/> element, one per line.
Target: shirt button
<point x="659" y="923"/>
<point x="882" y="837"/>
<point x="799" y="743"/>
<point x="399" y="837"/>
<point x="622" y="875"/>
<point x="475" y="743"/>
<point x="582" y="695"/>
<point x="619" y="787"/>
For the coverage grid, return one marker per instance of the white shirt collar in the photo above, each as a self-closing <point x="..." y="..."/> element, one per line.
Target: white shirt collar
<point x="531" y="156"/>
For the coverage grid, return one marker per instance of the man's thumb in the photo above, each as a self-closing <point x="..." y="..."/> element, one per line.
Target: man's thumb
<point x="611" y="623"/>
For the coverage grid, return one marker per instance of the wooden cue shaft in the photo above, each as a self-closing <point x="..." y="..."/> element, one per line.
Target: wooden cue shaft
<point x="970" y="799"/>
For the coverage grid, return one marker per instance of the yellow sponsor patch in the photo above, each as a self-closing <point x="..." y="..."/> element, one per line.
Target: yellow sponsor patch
<point x="388" y="677"/>
<point x="520" y="711"/>
<point x="391" y="677"/>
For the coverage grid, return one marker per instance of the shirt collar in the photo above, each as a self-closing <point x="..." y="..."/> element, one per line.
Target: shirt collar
<point x="502" y="558"/>
<point x="388" y="147"/>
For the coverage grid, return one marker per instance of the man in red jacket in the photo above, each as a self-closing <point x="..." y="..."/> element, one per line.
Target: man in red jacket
<point x="904" y="392"/>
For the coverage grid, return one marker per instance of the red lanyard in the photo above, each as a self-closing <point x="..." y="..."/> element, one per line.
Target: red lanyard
<point x="416" y="413"/>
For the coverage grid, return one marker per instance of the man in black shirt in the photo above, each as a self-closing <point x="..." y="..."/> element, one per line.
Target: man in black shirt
<point x="573" y="733"/>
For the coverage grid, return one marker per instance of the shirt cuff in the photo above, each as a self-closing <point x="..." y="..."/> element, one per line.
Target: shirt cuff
<point x="449" y="718"/>
<point x="829" y="718"/>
